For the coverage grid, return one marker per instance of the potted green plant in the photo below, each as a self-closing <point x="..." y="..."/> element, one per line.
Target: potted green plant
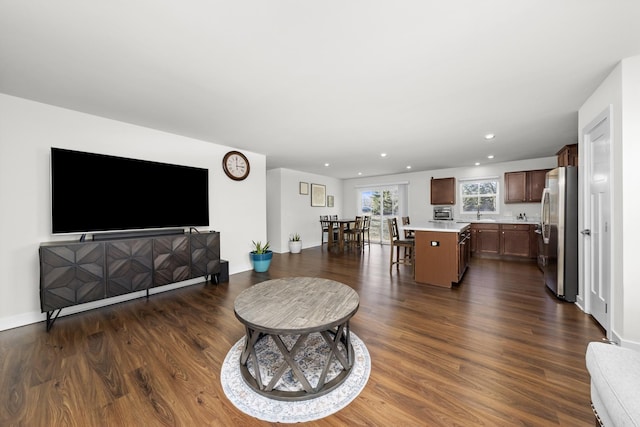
<point x="261" y="256"/>
<point x="295" y="244"/>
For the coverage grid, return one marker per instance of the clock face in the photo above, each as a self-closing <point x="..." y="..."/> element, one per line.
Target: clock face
<point x="236" y="165"/>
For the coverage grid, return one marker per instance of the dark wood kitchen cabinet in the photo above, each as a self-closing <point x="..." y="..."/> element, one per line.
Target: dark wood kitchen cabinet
<point x="524" y="186"/>
<point x="487" y="238"/>
<point x="443" y="191"/>
<point x="441" y="257"/>
<point x="568" y="155"/>
<point x="515" y="240"/>
<point x="504" y="240"/>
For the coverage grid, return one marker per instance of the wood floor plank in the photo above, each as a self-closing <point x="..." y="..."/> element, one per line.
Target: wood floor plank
<point x="496" y="350"/>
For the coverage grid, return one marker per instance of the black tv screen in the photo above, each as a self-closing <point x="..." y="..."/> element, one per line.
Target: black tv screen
<point x="94" y="192"/>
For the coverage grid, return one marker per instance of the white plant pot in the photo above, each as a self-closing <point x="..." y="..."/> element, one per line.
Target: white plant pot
<point x="295" y="247"/>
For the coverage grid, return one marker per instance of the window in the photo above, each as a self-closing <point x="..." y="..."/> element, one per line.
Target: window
<point x="382" y="202"/>
<point x="479" y="196"/>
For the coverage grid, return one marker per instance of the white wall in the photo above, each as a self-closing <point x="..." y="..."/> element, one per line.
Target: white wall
<point x="621" y="91"/>
<point x="419" y="189"/>
<point x="290" y="212"/>
<point x="274" y="209"/>
<point x="28" y="130"/>
<point x="630" y="297"/>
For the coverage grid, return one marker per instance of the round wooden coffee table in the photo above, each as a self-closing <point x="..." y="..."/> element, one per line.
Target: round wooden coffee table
<point x="289" y="311"/>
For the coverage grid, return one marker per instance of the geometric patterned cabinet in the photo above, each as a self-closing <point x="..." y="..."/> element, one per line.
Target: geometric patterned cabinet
<point x="171" y="260"/>
<point x="74" y="273"/>
<point x="71" y="274"/>
<point x="205" y="254"/>
<point x="129" y="266"/>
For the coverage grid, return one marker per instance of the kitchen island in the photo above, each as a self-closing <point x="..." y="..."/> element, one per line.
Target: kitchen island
<point x="442" y="253"/>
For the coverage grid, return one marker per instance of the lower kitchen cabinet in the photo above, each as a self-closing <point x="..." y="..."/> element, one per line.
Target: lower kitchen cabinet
<point x="487" y="238"/>
<point x="504" y="240"/>
<point x="515" y="240"/>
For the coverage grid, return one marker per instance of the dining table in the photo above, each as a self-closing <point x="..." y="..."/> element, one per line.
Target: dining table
<point x="342" y="225"/>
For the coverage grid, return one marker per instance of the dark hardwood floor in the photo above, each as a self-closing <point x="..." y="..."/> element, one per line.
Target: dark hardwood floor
<point x="497" y="350"/>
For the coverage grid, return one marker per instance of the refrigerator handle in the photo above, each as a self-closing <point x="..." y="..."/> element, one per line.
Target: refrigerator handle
<point x="544" y="220"/>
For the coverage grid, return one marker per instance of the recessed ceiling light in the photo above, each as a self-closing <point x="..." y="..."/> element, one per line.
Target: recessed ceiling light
<point x="383" y="154"/>
<point x="326" y="165"/>
<point x="489" y="136"/>
<point x="477" y="163"/>
<point x="408" y="166"/>
<point x="359" y="173"/>
<point x="490" y="156"/>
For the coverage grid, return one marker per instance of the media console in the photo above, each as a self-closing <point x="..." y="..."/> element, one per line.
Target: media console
<point x="73" y="273"/>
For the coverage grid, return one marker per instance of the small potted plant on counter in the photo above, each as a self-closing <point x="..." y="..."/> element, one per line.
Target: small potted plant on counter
<point x="295" y="244"/>
<point x="261" y="256"/>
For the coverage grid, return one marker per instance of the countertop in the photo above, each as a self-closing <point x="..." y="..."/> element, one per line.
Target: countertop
<point x="502" y="221"/>
<point x="447" y="226"/>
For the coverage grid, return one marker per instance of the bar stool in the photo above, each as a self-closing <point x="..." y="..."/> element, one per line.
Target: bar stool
<point x="396" y="244"/>
<point x="408" y="234"/>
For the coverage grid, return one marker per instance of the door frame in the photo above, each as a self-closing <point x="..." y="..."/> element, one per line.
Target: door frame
<point x="585" y="220"/>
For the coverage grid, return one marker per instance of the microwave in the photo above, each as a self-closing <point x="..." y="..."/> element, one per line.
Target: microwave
<point x="444" y="213"/>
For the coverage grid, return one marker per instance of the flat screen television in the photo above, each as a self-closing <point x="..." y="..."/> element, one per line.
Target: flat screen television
<point x="96" y="193"/>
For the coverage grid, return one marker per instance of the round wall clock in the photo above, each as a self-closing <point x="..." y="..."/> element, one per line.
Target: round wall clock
<point x="236" y="165"/>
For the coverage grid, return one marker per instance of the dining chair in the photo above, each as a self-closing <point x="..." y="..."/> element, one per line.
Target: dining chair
<point x="324" y="224"/>
<point x="352" y="235"/>
<point x="396" y="244"/>
<point x="366" y="224"/>
<point x="334" y="219"/>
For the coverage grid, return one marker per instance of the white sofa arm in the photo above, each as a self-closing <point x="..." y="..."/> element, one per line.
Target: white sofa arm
<point x="615" y="384"/>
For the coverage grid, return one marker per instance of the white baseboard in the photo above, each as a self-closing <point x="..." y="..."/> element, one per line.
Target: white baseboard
<point x="35" y="317"/>
<point x="634" y="345"/>
<point x="21" y="320"/>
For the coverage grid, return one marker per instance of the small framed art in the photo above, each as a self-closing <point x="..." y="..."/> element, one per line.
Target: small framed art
<point x="330" y="201"/>
<point x="304" y="188"/>
<point x="318" y="195"/>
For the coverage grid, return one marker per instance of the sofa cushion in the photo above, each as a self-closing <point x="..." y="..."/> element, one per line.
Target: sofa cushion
<point x="615" y="383"/>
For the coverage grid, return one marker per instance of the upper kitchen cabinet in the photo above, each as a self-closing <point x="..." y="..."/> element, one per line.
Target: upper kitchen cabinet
<point x="443" y="191"/>
<point x="524" y="186"/>
<point x="568" y="155"/>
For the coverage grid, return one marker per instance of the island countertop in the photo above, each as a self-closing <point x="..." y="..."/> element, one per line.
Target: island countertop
<point x="448" y="226"/>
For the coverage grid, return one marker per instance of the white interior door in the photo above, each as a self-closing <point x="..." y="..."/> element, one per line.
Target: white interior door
<point x="597" y="236"/>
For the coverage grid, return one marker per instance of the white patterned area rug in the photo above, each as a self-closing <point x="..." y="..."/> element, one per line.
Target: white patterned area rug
<point x="256" y="405"/>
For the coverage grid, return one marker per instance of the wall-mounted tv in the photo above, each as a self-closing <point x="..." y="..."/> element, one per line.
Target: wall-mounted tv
<point x="94" y="193"/>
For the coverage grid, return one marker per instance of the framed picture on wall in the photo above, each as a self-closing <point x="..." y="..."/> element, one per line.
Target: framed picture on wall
<point x="304" y="187"/>
<point x="330" y="201"/>
<point x="318" y="195"/>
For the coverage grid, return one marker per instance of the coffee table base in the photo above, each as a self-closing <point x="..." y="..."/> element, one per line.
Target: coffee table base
<point x="290" y="352"/>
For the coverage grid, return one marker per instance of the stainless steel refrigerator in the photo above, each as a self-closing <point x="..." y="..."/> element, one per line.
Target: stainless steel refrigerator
<point x="559" y="226"/>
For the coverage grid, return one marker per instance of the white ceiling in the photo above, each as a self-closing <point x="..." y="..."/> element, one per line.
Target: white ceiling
<point x="307" y="82"/>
